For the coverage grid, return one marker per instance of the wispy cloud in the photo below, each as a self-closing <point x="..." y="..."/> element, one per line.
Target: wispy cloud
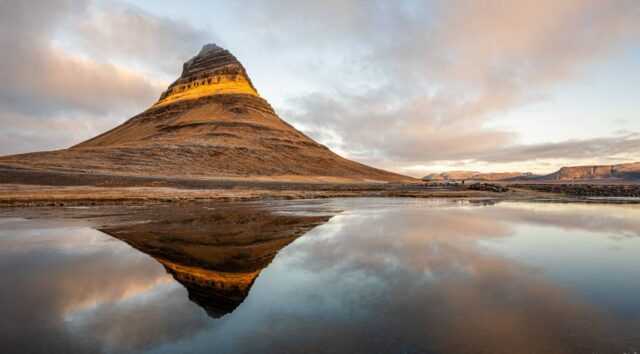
<point x="391" y="84"/>
<point x="579" y="149"/>
<point x="420" y="80"/>
<point x="151" y="43"/>
<point x="45" y="87"/>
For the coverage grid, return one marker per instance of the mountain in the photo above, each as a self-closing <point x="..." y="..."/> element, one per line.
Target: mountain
<point x="459" y="175"/>
<point x="210" y="123"/>
<point x="627" y="172"/>
<point x="474" y="175"/>
<point x="621" y="172"/>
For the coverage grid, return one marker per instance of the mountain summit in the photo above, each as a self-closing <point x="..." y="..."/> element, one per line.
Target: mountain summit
<point x="213" y="71"/>
<point x="211" y="123"/>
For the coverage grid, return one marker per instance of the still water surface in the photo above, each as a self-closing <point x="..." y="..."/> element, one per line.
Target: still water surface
<point x="359" y="275"/>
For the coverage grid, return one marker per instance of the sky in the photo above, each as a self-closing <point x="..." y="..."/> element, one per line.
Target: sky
<point x="410" y="86"/>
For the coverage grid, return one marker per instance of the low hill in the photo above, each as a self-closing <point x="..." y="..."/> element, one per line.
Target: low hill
<point x="475" y="176"/>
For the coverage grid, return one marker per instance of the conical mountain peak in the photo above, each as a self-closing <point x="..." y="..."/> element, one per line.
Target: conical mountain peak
<point x="210" y="123"/>
<point x="213" y="71"/>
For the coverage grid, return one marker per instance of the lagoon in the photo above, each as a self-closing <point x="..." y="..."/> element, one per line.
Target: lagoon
<point x="337" y="275"/>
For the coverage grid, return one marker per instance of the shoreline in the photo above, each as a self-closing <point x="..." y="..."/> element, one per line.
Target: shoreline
<point x="22" y="188"/>
<point x="34" y="196"/>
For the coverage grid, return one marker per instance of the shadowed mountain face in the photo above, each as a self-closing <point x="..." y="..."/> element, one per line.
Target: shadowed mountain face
<point x="215" y="254"/>
<point x="211" y="122"/>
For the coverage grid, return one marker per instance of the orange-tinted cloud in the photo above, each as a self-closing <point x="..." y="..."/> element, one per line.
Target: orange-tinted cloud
<point x="45" y="84"/>
<point x="427" y="77"/>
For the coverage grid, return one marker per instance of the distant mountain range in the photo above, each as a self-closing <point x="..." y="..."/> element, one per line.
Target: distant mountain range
<point x="621" y="172"/>
<point x="628" y="171"/>
<point x="475" y="175"/>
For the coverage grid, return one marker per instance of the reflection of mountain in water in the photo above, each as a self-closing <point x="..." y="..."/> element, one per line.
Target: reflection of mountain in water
<point x="216" y="254"/>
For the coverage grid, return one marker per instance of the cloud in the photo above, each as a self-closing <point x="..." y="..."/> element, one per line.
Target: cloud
<point x="60" y="81"/>
<point x="34" y="70"/>
<point x="393" y="131"/>
<point x="47" y="87"/>
<point x="421" y="280"/>
<point x="579" y="149"/>
<point x="424" y="78"/>
<point x="151" y="41"/>
<point x="25" y="132"/>
<point x="86" y="276"/>
<point x="390" y="84"/>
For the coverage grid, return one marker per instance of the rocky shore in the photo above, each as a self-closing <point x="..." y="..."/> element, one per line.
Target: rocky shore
<point x="45" y="188"/>
<point x="585" y="190"/>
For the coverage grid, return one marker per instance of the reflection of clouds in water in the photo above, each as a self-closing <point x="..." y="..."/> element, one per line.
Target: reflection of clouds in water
<point x="409" y="239"/>
<point x="410" y="280"/>
<point x="50" y="277"/>
<point x="67" y="240"/>
<point x="384" y="275"/>
<point x="619" y="221"/>
<point x="159" y="315"/>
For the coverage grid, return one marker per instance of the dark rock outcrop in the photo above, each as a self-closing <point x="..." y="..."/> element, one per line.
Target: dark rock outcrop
<point x="584" y="190"/>
<point x="489" y="187"/>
